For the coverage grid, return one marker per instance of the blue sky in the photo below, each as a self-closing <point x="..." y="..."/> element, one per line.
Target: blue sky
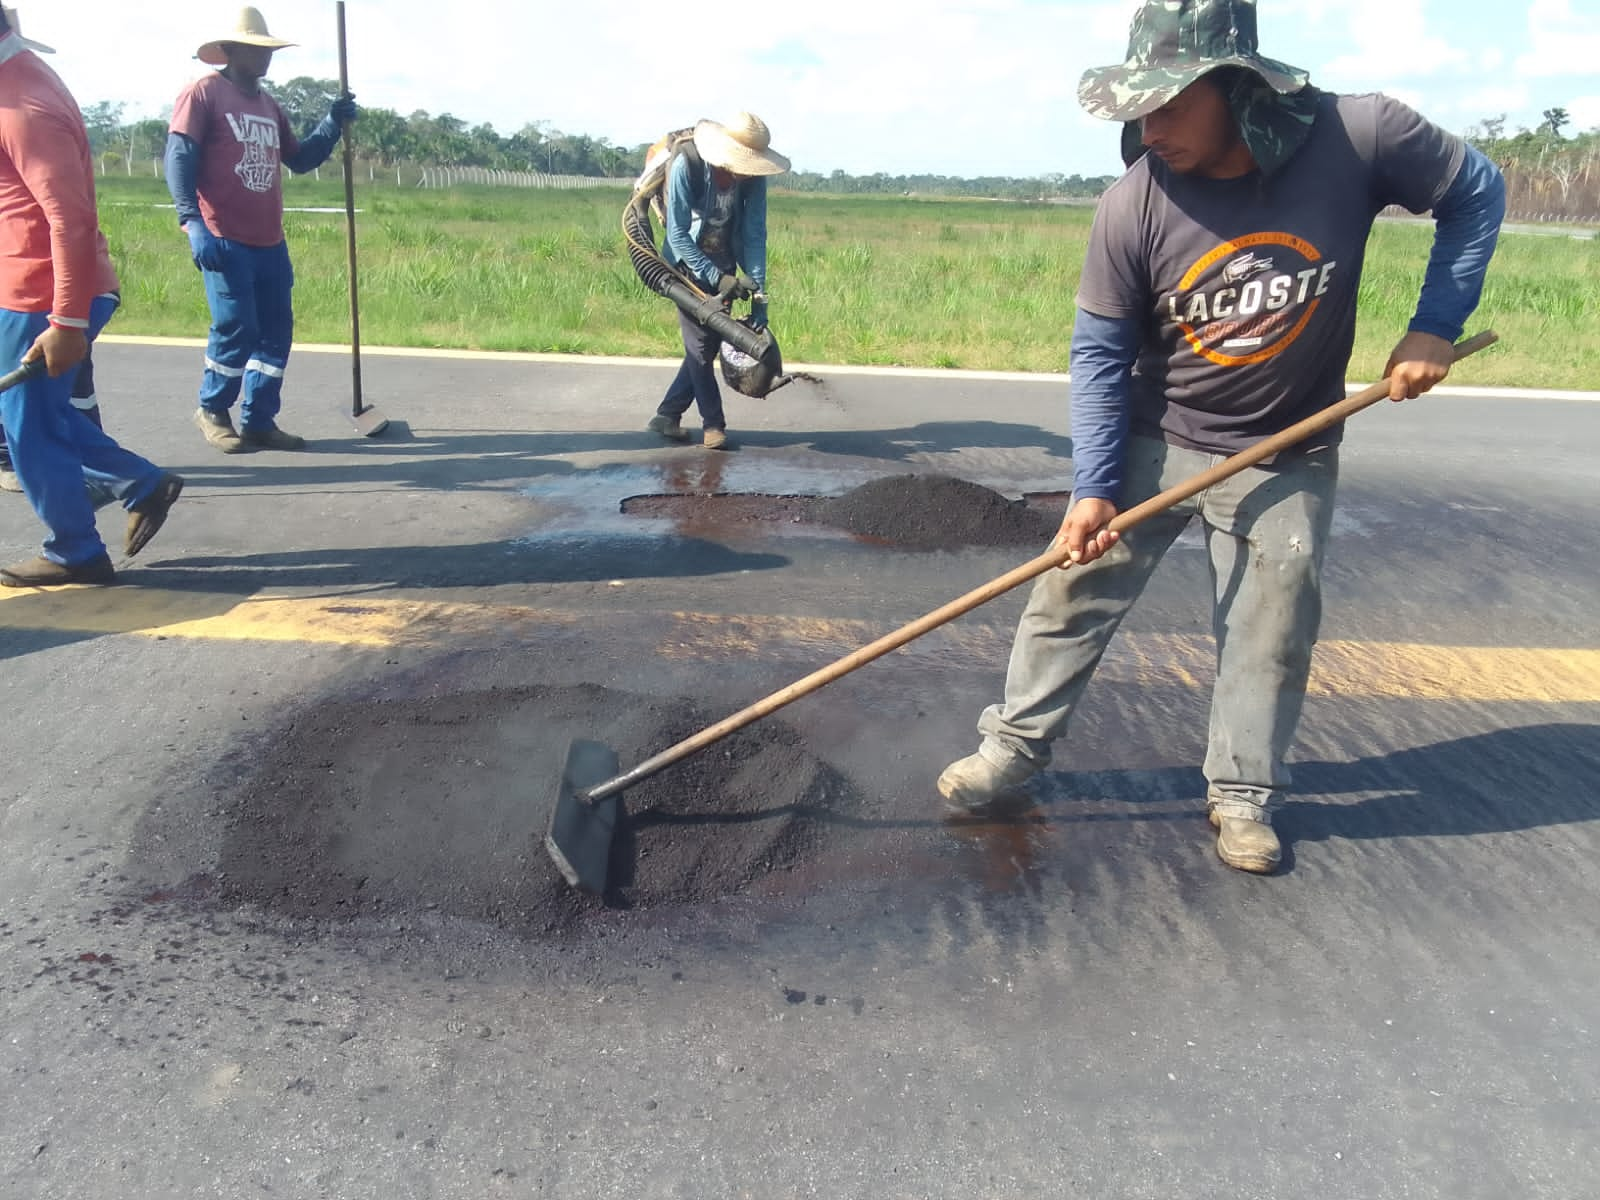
<point x="956" y="87"/>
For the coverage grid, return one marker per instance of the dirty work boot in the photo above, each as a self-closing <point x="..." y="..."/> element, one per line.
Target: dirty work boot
<point x="45" y="572"/>
<point x="219" y="430"/>
<point x="146" y="517"/>
<point x="973" y="785"/>
<point x="1247" y="845"/>
<point x="717" y="439"/>
<point x="272" y="438"/>
<point x="668" y="428"/>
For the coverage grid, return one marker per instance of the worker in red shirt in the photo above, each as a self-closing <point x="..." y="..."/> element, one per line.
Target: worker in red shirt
<point x="57" y="289"/>
<point x="226" y="149"/>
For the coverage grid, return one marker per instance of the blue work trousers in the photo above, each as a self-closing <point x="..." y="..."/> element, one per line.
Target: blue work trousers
<point x="56" y="449"/>
<point x="252" y="327"/>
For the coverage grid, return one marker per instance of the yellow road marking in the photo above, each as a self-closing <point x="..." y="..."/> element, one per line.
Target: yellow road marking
<point x="1396" y="670"/>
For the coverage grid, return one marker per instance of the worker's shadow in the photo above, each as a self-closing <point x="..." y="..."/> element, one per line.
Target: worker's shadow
<point x="1499" y="782"/>
<point x="550" y="559"/>
<point x="182" y="590"/>
<point x="460" y="460"/>
<point x="1510" y="779"/>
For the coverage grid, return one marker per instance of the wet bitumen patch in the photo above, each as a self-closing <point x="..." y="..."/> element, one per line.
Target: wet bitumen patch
<point x="932" y="511"/>
<point x="441" y="803"/>
<point x="914" y="512"/>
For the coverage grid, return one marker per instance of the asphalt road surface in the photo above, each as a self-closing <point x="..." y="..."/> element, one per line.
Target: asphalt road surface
<point x="1085" y="1002"/>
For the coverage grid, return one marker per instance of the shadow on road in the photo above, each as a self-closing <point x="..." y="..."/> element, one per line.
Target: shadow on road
<point x="473" y="459"/>
<point x="194" y="588"/>
<point x="1510" y="779"/>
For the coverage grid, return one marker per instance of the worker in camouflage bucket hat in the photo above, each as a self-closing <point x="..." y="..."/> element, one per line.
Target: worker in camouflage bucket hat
<point x="1217" y="307"/>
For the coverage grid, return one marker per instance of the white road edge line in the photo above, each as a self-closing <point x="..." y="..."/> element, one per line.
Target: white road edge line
<point x="608" y="360"/>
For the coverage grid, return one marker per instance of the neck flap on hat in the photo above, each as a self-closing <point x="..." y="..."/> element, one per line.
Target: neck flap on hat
<point x="1272" y="125"/>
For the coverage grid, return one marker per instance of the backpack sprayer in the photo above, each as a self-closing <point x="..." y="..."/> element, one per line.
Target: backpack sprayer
<point x="750" y="359"/>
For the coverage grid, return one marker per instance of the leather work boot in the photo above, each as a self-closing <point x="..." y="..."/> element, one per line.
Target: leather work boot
<point x="1247" y="845"/>
<point x="668" y="428"/>
<point x="146" y="517"/>
<point x="46" y="572"/>
<point x="219" y="430"/>
<point x="974" y="785"/>
<point x="716" y="439"/>
<point x="272" y="438"/>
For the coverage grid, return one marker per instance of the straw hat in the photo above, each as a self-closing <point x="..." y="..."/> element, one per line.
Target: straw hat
<point x="15" y="22"/>
<point x="742" y="146"/>
<point x="250" y="31"/>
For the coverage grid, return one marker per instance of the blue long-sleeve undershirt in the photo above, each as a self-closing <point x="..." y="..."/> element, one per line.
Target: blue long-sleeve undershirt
<point x="183" y="168"/>
<point x="1104" y="349"/>
<point x="1466" y="228"/>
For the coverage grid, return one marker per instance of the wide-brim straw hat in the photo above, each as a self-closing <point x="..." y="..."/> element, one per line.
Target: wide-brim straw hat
<point x="250" y="31"/>
<point x="1171" y="44"/>
<point x="743" y="146"/>
<point x="16" y="28"/>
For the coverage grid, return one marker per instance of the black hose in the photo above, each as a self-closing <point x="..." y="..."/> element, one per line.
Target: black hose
<point x="658" y="275"/>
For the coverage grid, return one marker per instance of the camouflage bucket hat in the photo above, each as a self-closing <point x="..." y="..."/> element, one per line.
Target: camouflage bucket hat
<point x="1171" y="43"/>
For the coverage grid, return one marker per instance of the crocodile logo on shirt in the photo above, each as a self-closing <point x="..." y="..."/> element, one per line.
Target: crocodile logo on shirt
<point x="1256" y="306"/>
<point x="1246" y="266"/>
<point x="257" y="167"/>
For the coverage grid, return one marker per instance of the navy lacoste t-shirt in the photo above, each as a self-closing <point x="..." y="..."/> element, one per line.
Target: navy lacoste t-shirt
<point x="1248" y="286"/>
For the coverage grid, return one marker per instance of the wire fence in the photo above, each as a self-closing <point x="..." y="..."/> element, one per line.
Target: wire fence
<point x="412" y="175"/>
<point x="1534" y="201"/>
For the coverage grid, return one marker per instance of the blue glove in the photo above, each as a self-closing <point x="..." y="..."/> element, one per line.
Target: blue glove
<point x="204" y="246"/>
<point x="343" y="110"/>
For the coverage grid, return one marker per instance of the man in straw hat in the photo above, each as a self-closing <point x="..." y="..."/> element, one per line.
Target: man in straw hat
<point x="57" y="289"/>
<point x="227" y="143"/>
<point x="1216" y="307"/>
<point x="716" y="230"/>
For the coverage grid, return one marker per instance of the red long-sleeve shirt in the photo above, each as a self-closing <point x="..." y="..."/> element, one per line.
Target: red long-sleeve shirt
<point x="53" y="257"/>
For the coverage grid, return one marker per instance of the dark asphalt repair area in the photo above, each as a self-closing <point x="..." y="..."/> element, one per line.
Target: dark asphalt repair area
<point x="276" y="918"/>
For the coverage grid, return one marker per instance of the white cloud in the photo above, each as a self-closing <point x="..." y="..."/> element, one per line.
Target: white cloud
<point x="1492" y="101"/>
<point x="961" y="87"/>
<point x="1391" y="41"/>
<point x="1562" y="41"/>
<point x="1585" y="113"/>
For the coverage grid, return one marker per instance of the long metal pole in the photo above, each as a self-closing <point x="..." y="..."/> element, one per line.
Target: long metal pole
<point x="350" y="230"/>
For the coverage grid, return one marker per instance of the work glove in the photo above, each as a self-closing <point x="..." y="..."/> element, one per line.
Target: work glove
<point x="343" y="110"/>
<point x="758" y="315"/>
<point x="204" y="246"/>
<point x="730" y="288"/>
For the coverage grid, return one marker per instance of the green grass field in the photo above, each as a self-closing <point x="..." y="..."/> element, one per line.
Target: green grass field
<point x="872" y="280"/>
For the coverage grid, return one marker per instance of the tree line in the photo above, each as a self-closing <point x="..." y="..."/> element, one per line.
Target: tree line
<point x="1548" y="174"/>
<point x="389" y="139"/>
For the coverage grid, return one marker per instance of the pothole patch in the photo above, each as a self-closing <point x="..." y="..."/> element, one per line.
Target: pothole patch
<point x="914" y="512"/>
<point x="442" y="803"/>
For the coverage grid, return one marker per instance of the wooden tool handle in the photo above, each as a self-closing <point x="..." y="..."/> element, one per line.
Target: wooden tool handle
<point x="1051" y="559"/>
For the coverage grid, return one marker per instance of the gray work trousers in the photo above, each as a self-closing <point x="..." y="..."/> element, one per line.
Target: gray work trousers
<point x="1265" y="531"/>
